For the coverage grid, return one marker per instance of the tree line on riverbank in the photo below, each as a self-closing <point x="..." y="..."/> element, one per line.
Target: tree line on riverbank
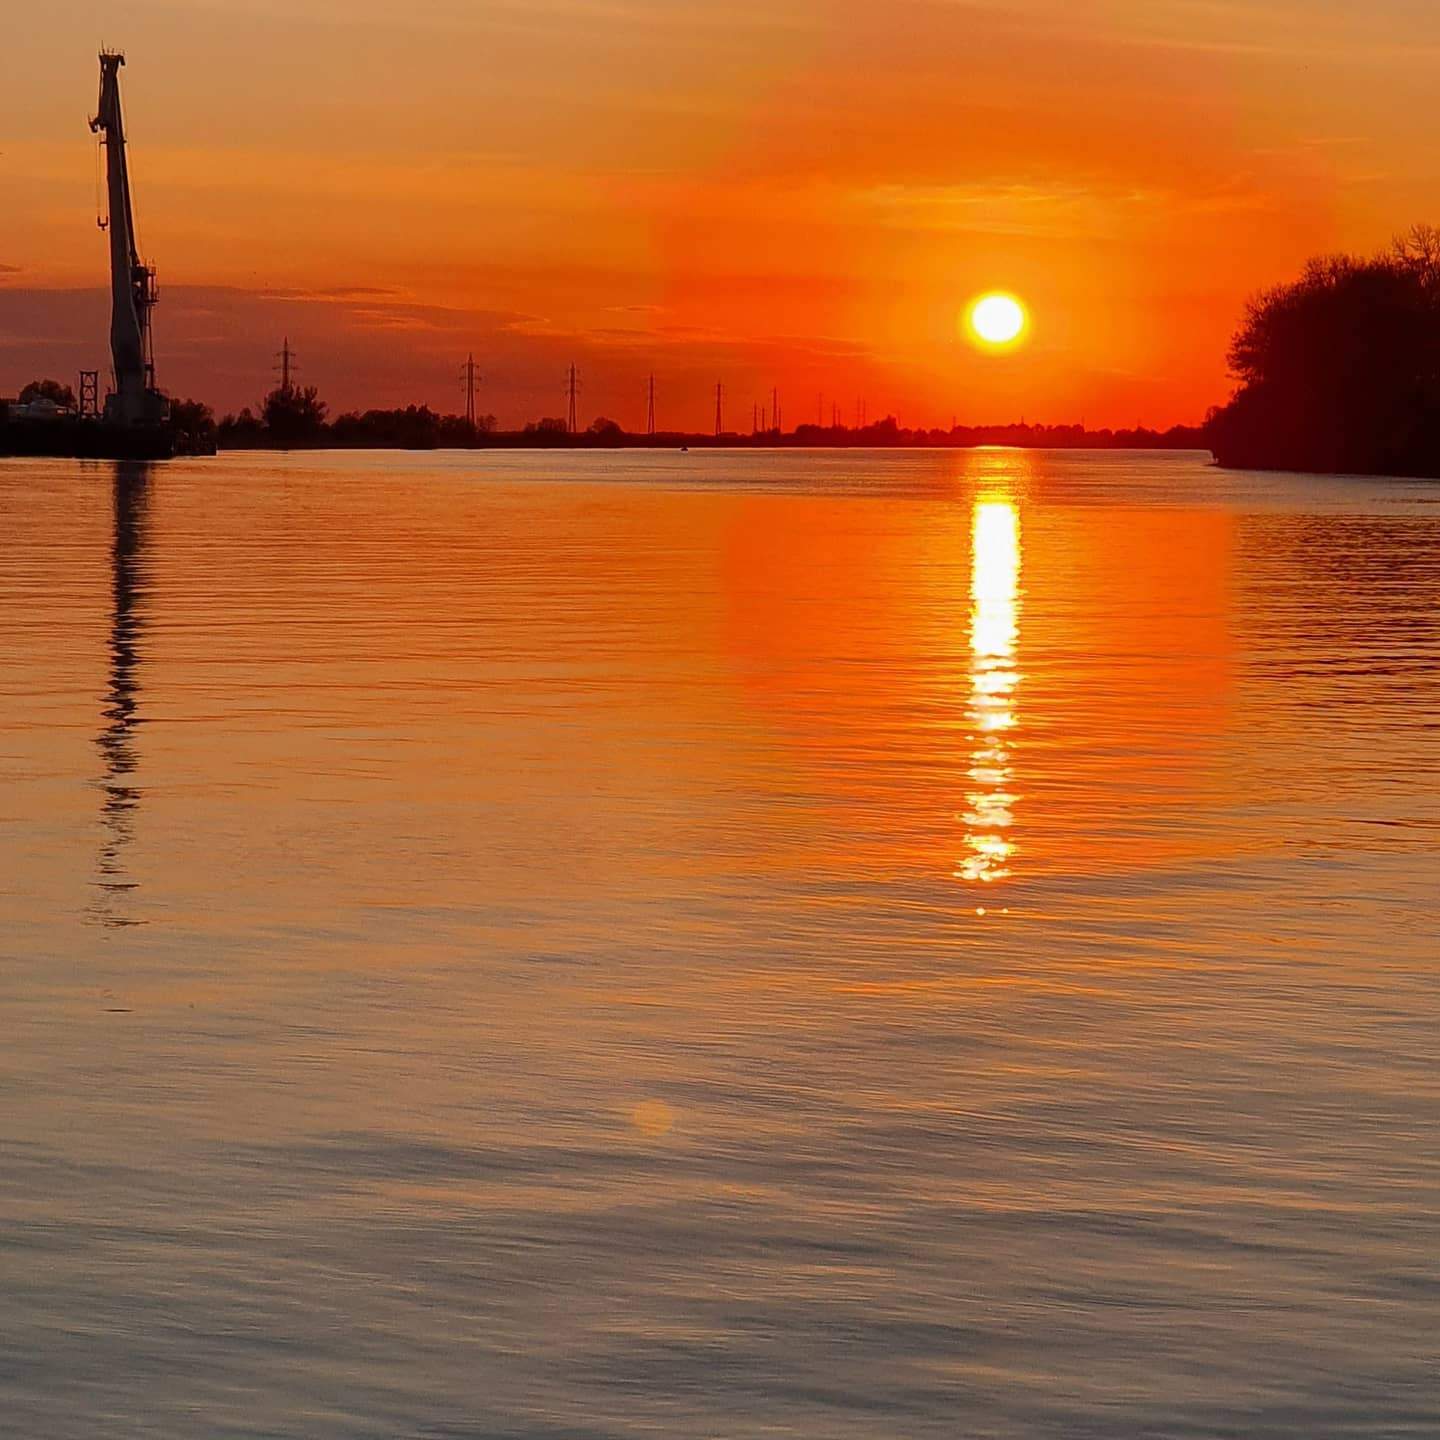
<point x="295" y="417"/>
<point x="1339" y="371"/>
<point x="417" y="427"/>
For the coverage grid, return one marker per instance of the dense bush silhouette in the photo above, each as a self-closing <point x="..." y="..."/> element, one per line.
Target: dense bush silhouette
<point x="416" y="427"/>
<point x="52" y="390"/>
<point x="1340" y="370"/>
<point x="295" y="415"/>
<point x="195" y="421"/>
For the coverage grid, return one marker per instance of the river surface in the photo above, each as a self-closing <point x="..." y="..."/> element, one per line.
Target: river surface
<point x="841" y="946"/>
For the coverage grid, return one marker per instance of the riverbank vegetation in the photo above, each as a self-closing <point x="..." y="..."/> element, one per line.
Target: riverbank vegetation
<point x="297" y="420"/>
<point x="1339" y="371"/>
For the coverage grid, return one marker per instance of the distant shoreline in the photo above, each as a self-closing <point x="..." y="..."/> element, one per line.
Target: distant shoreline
<point x="420" y="429"/>
<point x="502" y="444"/>
<point x="1035" y="439"/>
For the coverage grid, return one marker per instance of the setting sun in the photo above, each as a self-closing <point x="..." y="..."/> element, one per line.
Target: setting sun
<point x="997" y="319"/>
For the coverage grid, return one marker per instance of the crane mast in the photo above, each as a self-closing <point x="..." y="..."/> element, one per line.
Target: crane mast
<point x="135" y="400"/>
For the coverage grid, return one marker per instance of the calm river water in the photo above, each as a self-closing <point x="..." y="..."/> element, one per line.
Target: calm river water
<point x="718" y="945"/>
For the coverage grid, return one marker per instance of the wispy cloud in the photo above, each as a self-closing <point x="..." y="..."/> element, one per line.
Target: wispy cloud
<point x="1012" y="209"/>
<point x="331" y="295"/>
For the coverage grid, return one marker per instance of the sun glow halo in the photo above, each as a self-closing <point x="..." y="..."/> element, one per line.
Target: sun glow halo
<point x="997" y="320"/>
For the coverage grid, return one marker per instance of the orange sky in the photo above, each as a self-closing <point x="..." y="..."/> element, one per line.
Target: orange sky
<point x="789" y="193"/>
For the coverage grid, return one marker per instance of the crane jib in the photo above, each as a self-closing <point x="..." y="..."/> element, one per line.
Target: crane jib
<point x="135" y="400"/>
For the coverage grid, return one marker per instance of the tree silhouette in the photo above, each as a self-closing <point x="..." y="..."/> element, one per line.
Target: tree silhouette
<point x="53" y="390"/>
<point x="294" y="415"/>
<point x="1340" y="369"/>
<point x="193" y="419"/>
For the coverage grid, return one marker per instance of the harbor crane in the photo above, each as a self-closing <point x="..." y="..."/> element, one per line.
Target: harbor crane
<point x="135" y="401"/>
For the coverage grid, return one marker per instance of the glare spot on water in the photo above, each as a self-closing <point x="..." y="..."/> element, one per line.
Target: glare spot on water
<point x="653" y="1118"/>
<point x="994" y="632"/>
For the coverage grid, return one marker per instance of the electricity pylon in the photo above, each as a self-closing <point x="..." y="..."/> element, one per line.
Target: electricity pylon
<point x="287" y="367"/>
<point x="468" y="378"/>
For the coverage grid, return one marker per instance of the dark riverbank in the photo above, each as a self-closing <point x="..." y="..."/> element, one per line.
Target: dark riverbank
<point x="419" y="428"/>
<point x="1249" y="435"/>
<point x="86" y="439"/>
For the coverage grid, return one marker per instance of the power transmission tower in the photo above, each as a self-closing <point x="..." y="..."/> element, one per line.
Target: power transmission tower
<point x="775" y="409"/>
<point x="469" y="378"/>
<point x="572" y="389"/>
<point x="719" y="408"/>
<point x="287" y="367"/>
<point x="650" y="409"/>
<point x="90" y="392"/>
<point x="754" y="418"/>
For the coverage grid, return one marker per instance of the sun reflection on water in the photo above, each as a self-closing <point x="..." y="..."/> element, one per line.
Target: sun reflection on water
<point x="994" y="632"/>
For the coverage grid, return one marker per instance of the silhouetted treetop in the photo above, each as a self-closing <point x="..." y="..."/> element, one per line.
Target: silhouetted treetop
<point x="294" y="415"/>
<point x="1340" y="369"/>
<point x="51" y="390"/>
<point x="193" y="418"/>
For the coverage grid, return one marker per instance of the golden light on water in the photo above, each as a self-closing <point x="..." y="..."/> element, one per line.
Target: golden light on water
<point x="994" y="633"/>
<point x="653" y="1119"/>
